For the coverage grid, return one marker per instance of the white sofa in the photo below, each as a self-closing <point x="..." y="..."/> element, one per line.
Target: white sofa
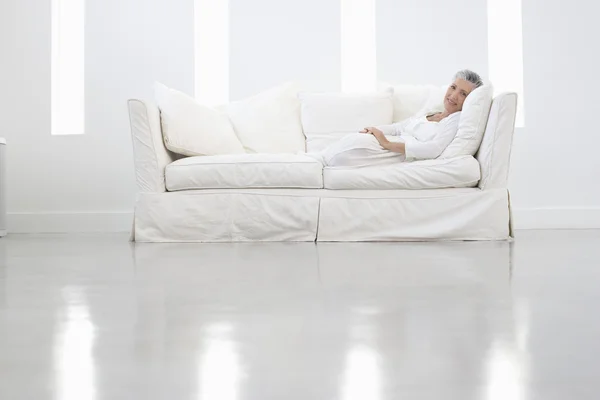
<point x="291" y="197"/>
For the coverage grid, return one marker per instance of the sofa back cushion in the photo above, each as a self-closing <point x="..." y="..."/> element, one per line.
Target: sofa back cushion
<point x="191" y="129"/>
<point x="410" y="100"/>
<point x="269" y="122"/>
<point x="473" y="120"/>
<point x="326" y="117"/>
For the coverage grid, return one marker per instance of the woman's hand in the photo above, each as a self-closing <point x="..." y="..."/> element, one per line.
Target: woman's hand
<point x="378" y="135"/>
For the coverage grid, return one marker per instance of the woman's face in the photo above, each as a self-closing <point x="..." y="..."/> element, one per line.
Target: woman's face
<point x="456" y="95"/>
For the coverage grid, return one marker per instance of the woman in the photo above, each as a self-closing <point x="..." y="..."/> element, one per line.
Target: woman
<point x="421" y="137"/>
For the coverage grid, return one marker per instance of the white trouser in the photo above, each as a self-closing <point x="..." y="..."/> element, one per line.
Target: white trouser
<point x="358" y="150"/>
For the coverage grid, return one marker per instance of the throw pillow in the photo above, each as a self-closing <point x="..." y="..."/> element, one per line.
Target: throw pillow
<point x="191" y="129"/>
<point x="473" y="120"/>
<point x="269" y="122"/>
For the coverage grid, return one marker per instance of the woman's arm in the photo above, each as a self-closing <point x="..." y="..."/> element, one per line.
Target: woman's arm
<point x="421" y="150"/>
<point x="396" y="147"/>
<point x="446" y="131"/>
<point x="394" y="129"/>
<point x="384" y="129"/>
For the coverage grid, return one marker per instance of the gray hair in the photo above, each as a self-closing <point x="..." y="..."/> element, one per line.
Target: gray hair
<point x="469" y="76"/>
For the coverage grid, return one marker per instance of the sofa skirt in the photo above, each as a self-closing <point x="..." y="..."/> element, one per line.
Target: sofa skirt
<point x="238" y="215"/>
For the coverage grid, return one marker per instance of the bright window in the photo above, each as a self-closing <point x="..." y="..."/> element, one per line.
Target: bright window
<point x="359" y="63"/>
<point x="505" y="52"/>
<point x="67" y="68"/>
<point x="212" y="51"/>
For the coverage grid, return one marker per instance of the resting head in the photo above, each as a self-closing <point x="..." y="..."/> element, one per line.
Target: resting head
<point x="465" y="82"/>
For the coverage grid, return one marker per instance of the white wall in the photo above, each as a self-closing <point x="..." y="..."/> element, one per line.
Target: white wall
<point x="86" y="182"/>
<point x="129" y="44"/>
<point x="555" y="179"/>
<point x="427" y="41"/>
<point x="274" y="41"/>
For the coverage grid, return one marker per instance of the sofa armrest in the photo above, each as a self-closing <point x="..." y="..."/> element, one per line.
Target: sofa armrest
<point x="149" y="152"/>
<point x="494" y="152"/>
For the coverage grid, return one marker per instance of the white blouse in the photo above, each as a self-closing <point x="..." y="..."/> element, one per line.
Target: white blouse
<point x="424" y="140"/>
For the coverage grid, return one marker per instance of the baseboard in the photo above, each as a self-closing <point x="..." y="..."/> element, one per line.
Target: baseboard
<point x="69" y="222"/>
<point x="557" y="218"/>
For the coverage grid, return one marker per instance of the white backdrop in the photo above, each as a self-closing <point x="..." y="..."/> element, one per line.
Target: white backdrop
<point x="86" y="182"/>
<point x="277" y="41"/>
<point x="426" y="41"/>
<point x="555" y="177"/>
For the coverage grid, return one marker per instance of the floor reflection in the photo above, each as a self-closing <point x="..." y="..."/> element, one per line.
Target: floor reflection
<point x="373" y="315"/>
<point x="220" y="370"/>
<point x="80" y="319"/>
<point x="3" y="275"/>
<point x="505" y="374"/>
<point x="74" y="349"/>
<point x="362" y="372"/>
<point x="522" y="322"/>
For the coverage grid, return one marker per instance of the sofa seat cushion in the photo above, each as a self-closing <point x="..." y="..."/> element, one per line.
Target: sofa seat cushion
<point x="238" y="171"/>
<point x="460" y="172"/>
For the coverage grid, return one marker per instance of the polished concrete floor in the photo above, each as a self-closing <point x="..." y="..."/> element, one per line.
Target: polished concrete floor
<point x="91" y="317"/>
